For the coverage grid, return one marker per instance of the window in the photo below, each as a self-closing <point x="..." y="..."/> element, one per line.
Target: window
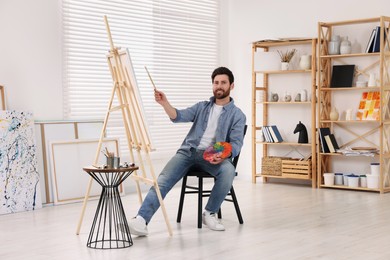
<point x="177" y="40"/>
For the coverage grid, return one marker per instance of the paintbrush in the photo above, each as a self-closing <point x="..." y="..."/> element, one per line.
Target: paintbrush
<point x="151" y="80"/>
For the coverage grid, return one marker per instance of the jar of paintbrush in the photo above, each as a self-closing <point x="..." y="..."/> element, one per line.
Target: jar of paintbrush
<point x="113" y="162"/>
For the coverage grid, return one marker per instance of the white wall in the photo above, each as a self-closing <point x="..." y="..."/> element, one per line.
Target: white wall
<point x="30" y="56"/>
<point x="30" y="46"/>
<point x="246" y="21"/>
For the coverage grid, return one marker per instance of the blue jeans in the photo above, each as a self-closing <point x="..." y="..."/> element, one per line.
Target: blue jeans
<point x="174" y="171"/>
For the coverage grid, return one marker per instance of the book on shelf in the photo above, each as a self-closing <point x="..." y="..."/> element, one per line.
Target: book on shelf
<point x="324" y="131"/>
<point x="370" y="43"/>
<point x="266" y="134"/>
<point x="329" y="144"/>
<point x="342" y="76"/>
<point x="369" y="106"/>
<point x="375" y="43"/>
<point x="332" y="143"/>
<point x="272" y="134"/>
<point x="271" y="139"/>
<point x="276" y="134"/>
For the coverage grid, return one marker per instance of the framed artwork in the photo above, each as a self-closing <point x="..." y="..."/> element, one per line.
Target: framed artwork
<point x="19" y="177"/>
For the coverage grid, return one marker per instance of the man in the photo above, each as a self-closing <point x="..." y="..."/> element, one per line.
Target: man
<point x="217" y="120"/>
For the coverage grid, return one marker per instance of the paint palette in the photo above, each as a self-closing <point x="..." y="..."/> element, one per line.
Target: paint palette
<point x="223" y="148"/>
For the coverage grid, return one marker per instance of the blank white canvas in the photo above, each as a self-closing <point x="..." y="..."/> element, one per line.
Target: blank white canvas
<point x="59" y="130"/>
<point x="68" y="158"/>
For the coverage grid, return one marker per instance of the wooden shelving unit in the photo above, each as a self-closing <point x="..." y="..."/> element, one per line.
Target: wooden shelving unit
<point x="353" y="128"/>
<point x="261" y="89"/>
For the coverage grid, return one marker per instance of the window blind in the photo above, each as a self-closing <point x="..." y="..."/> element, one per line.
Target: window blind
<point x="177" y="40"/>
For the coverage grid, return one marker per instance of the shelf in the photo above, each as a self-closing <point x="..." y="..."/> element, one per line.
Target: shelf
<point x="350" y="156"/>
<point x="281" y="71"/>
<point x="354" y="130"/>
<point x="283" y="143"/>
<point x="274" y="43"/>
<point x="351" y="89"/>
<point x="350" y="22"/>
<point x="288" y="176"/>
<point x="294" y="77"/>
<point x="348" y="188"/>
<point x="349" y="55"/>
<point x="350" y="121"/>
<point x="285" y="103"/>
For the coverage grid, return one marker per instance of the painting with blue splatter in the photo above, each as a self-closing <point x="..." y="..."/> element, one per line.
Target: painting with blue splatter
<point x="19" y="177"/>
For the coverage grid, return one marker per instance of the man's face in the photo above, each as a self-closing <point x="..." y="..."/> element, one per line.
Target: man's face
<point x="221" y="86"/>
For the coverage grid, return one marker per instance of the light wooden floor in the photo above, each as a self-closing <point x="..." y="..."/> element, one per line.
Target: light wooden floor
<point x="281" y="222"/>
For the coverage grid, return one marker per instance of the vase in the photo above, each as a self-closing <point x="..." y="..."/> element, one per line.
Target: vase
<point x="298" y="98"/>
<point x="274" y="97"/>
<point x="334" y="115"/>
<point x="345" y="46"/>
<point x="372" y="80"/>
<point x="305" y="62"/>
<point x="285" y="65"/>
<point x="287" y="97"/>
<point x="334" y="45"/>
<point x="303" y="95"/>
<point x="348" y="114"/>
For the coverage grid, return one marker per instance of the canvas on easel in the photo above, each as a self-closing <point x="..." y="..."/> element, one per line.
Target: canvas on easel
<point x="126" y="91"/>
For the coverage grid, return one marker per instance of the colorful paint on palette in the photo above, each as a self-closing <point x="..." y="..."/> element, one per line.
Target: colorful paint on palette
<point x="222" y="148"/>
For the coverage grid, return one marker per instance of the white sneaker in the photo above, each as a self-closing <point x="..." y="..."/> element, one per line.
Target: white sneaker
<point x="138" y="226"/>
<point x="212" y="222"/>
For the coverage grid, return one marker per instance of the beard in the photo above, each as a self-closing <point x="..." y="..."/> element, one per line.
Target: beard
<point x="221" y="94"/>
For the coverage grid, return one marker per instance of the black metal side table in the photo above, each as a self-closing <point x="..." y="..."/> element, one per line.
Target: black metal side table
<point x="109" y="228"/>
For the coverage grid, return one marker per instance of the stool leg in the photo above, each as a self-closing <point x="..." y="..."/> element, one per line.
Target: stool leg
<point x="200" y="200"/>
<point x="181" y="202"/>
<point x="219" y="213"/>
<point x="233" y="194"/>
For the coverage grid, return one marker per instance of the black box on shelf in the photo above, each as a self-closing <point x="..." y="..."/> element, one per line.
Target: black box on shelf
<point x="342" y="76"/>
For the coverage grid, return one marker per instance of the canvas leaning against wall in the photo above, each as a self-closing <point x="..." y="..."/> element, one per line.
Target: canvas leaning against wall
<point x="19" y="178"/>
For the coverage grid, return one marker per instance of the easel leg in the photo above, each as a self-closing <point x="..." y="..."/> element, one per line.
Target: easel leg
<point x="164" y="211"/>
<point x="96" y="159"/>
<point x="155" y="184"/>
<point x="139" y="192"/>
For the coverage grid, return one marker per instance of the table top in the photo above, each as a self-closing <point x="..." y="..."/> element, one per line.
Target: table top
<point x="121" y="169"/>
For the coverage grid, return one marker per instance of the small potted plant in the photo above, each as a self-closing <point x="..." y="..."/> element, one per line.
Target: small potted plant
<point x="285" y="57"/>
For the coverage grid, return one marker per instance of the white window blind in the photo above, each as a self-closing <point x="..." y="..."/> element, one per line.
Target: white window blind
<point x="176" y="40"/>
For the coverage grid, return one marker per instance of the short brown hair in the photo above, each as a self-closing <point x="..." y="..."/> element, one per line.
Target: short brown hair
<point x="222" y="71"/>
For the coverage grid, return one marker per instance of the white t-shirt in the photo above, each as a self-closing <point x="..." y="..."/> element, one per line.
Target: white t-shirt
<point x="208" y="137"/>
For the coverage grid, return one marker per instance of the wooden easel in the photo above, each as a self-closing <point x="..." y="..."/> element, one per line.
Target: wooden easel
<point x="137" y="134"/>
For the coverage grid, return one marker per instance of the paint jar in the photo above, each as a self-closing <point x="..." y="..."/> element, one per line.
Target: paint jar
<point x="345" y="179"/>
<point x="113" y="162"/>
<point x="353" y="181"/>
<point x="375" y="169"/>
<point x="338" y="179"/>
<point x="363" y="181"/>
<point x="329" y="179"/>
<point x="372" y="181"/>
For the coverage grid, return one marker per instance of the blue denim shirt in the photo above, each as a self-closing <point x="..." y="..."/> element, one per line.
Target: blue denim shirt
<point x="230" y="128"/>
